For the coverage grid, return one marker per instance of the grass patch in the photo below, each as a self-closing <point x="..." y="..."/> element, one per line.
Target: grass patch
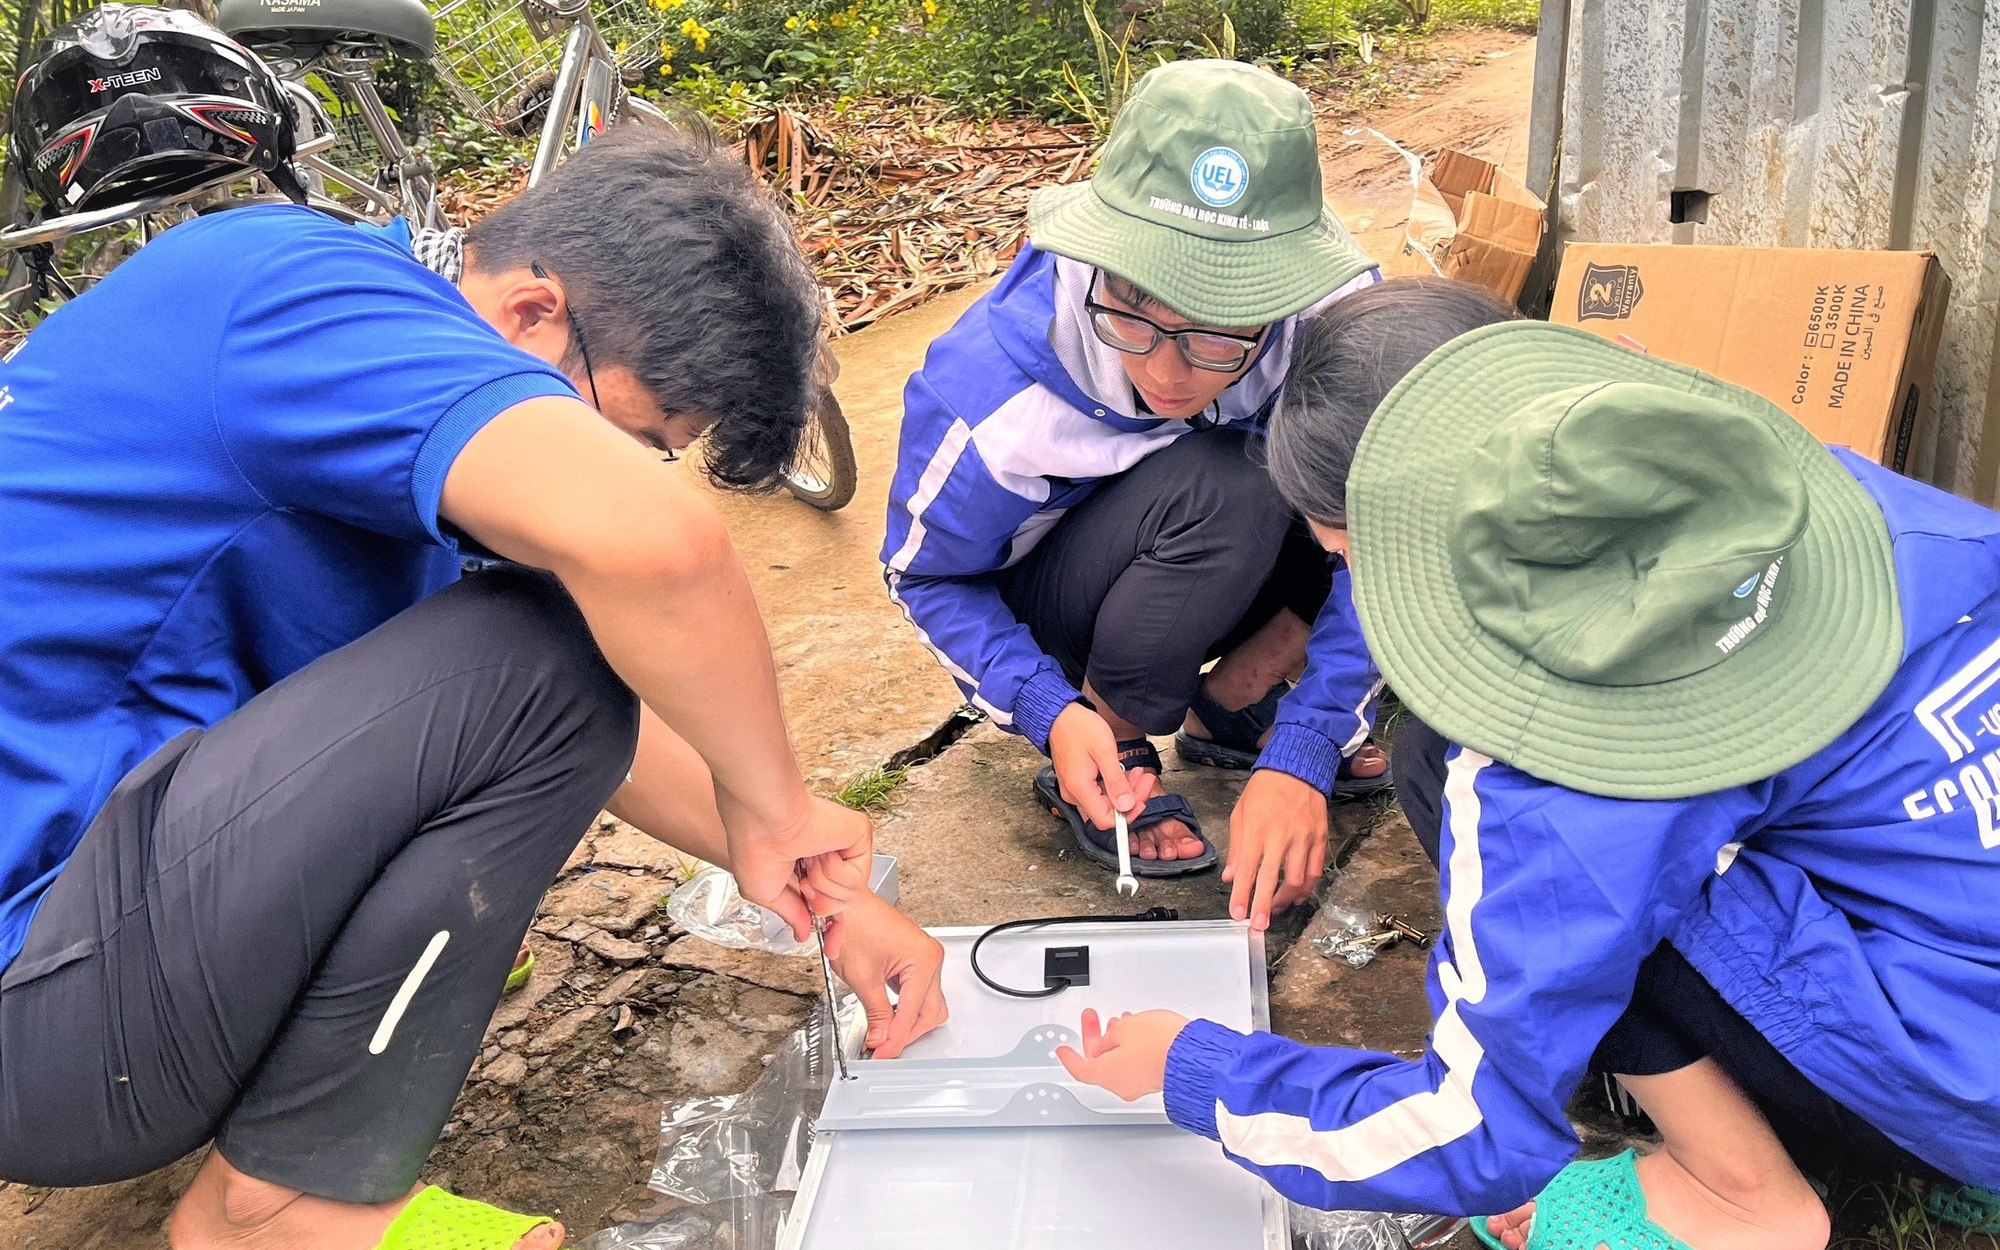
<point x="1390" y="716"/>
<point x="871" y="789"/>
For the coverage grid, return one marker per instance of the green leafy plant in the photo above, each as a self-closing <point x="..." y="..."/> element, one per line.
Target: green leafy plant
<point x="1101" y="105"/>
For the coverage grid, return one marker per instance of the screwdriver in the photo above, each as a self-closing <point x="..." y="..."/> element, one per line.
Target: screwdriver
<point x="832" y="1001"/>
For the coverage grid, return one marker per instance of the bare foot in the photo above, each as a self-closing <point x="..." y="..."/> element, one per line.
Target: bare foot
<point x="1512" y="1228"/>
<point x="1170" y="839"/>
<point x="226" y="1210"/>
<point x="1368" y="761"/>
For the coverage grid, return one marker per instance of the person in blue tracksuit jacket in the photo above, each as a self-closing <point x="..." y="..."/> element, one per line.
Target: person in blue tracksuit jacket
<point x="1078" y="522"/>
<point x="1709" y="756"/>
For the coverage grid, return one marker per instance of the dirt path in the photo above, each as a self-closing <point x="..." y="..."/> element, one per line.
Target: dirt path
<point x="561" y="1114"/>
<point x="1481" y="109"/>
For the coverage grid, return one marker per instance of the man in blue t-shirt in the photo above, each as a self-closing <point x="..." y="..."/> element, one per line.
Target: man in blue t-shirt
<point x="279" y="790"/>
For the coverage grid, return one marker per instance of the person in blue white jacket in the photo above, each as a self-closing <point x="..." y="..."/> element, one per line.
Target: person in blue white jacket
<point x="1077" y="522"/>
<point x="1710" y="758"/>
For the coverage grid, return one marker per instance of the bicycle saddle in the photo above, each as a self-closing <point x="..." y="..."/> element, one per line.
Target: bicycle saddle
<point x="308" y="26"/>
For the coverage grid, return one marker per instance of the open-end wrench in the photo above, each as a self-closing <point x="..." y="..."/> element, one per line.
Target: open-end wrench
<point x="1128" y="885"/>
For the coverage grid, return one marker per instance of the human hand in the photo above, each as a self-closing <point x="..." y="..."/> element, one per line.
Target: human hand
<point x="819" y="859"/>
<point x="1278" y="827"/>
<point x="884" y="948"/>
<point x="1129" y="1058"/>
<point x="1085" y="754"/>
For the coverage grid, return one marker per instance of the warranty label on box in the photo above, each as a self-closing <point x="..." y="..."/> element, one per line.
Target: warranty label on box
<point x="1844" y="341"/>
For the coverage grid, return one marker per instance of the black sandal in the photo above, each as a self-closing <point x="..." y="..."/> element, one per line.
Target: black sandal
<point x="1234" y="745"/>
<point x="1101" y="845"/>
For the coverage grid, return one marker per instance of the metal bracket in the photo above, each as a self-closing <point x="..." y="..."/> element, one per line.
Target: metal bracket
<point x="1024" y="1088"/>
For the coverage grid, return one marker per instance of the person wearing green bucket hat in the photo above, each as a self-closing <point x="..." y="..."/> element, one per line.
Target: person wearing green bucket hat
<point x="1077" y="523"/>
<point x="1705" y="738"/>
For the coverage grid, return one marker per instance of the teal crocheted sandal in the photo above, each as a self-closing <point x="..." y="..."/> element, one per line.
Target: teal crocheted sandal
<point x="436" y="1220"/>
<point x="1588" y="1205"/>
<point x="1968" y="1207"/>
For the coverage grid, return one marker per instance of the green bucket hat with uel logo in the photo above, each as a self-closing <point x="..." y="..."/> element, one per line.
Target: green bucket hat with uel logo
<point x="1207" y="196"/>
<point x="1612" y="572"/>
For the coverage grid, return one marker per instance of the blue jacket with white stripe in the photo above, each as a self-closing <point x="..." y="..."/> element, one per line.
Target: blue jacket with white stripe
<point x="1848" y="907"/>
<point x="1018" y="413"/>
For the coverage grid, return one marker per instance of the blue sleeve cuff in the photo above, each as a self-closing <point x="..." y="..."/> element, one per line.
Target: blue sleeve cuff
<point x="1194" y="1063"/>
<point x="1303" y="753"/>
<point x="1041" y="700"/>
<point x="457" y="426"/>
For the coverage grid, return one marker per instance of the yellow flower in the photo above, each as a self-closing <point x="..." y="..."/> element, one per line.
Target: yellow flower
<point x="791" y="23"/>
<point x="874" y="32"/>
<point x="693" y="30"/>
<point x="836" y="20"/>
<point x="930" y="8"/>
<point x="620" y="49"/>
<point x="812" y="24"/>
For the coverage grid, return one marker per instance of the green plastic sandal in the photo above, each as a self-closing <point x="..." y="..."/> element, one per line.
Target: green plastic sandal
<point x="436" y="1220"/>
<point x="1587" y="1205"/>
<point x="1969" y="1207"/>
<point x="518" y="977"/>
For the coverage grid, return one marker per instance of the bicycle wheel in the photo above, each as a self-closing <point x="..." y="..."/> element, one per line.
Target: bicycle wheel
<point x="822" y="473"/>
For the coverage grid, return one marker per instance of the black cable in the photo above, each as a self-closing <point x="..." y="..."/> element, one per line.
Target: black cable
<point x="1062" y="983"/>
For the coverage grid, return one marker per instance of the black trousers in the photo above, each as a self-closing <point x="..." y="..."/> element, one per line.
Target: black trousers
<point x="1676" y="1017"/>
<point x="1172" y="563"/>
<point x="288" y="933"/>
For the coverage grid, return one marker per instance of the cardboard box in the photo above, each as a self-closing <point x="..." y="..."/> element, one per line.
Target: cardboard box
<point x="1474" y="221"/>
<point x="1844" y="341"/>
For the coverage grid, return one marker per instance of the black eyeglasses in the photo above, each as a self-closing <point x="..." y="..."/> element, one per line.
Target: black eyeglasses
<point x="576" y="332"/>
<point x="583" y="349"/>
<point x="1136" y="336"/>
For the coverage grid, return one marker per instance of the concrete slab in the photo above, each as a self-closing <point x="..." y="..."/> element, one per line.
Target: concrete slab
<point x="1380" y="1006"/>
<point x="975" y="848"/>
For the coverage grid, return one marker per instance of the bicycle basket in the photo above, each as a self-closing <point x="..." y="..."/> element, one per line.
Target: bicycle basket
<point x="495" y="61"/>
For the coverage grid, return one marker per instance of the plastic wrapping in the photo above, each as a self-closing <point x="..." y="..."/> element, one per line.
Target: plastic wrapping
<point x="737" y="1158"/>
<point x="1369" y="1230"/>
<point x="1348" y="942"/>
<point x="755" y="1142"/>
<point x="683" y="1230"/>
<point x="710" y="907"/>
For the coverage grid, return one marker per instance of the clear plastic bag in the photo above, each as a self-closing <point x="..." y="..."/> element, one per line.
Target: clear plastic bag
<point x="683" y="1230"/>
<point x="1369" y="1230"/>
<point x="1346" y="943"/>
<point x="710" y="907"/>
<point x="755" y="1142"/>
<point x="737" y="1158"/>
<point x="748" y="1223"/>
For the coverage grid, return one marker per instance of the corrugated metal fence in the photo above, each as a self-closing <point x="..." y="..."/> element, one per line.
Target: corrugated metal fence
<point x="1796" y="123"/>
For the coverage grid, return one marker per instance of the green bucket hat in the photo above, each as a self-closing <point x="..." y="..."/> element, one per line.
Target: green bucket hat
<point x="1207" y="195"/>
<point x="1612" y="572"/>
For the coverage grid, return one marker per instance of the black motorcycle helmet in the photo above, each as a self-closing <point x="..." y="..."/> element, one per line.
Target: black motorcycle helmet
<point x="132" y="100"/>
